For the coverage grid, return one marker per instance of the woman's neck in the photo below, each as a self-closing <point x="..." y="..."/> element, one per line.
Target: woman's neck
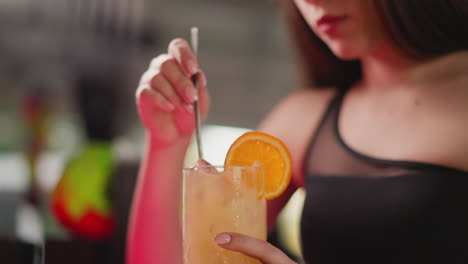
<point x="386" y="68"/>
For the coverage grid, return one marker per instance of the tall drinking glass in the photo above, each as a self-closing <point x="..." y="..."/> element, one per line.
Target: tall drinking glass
<point x="220" y="200"/>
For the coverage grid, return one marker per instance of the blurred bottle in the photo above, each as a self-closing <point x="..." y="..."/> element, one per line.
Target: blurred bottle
<point x="30" y="231"/>
<point x="35" y="113"/>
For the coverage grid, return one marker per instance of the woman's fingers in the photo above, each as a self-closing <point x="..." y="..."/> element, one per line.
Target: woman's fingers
<point x="166" y="93"/>
<point x="170" y="76"/>
<point x="181" y="82"/>
<point x="182" y="52"/>
<point x="162" y="85"/>
<point x="151" y="99"/>
<point x="252" y="247"/>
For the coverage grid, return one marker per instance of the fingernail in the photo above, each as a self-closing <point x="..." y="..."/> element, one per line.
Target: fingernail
<point x="191" y="94"/>
<point x="192" y="66"/>
<point x="189" y="108"/>
<point x="222" y="239"/>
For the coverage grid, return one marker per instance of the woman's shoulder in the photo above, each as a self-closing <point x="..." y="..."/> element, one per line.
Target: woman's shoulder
<point x="451" y="68"/>
<point x="294" y="120"/>
<point x="449" y="112"/>
<point x="459" y="109"/>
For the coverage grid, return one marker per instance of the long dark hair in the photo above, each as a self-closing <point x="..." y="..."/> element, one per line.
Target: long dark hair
<point x="421" y="29"/>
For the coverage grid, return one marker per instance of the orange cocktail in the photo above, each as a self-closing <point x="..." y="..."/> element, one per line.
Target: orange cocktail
<point x="220" y="200"/>
<point x="233" y="198"/>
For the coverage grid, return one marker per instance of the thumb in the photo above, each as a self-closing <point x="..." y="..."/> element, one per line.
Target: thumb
<point x="255" y="248"/>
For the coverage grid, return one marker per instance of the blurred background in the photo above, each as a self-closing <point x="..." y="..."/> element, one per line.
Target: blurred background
<point x="70" y="137"/>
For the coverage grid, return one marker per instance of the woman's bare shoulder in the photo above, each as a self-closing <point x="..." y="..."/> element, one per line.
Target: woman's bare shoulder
<point x="450" y="116"/>
<point x="294" y="120"/>
<point x="461" y="108"/>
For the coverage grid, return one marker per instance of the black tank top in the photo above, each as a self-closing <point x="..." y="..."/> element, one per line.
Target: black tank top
<point x="360" y="209"/>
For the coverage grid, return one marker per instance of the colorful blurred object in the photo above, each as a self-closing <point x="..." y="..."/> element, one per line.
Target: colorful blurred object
<point x="80" y="201"/>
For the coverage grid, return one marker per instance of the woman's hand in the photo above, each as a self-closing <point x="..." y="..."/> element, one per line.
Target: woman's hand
<point x="252" y="247"/>
<point x="166" y="94"/>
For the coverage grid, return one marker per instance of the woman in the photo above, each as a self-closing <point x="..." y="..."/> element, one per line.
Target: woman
<point x="382" y="155"/>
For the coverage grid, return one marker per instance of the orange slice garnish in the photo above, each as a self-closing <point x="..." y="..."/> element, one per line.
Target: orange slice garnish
<point x="270" y="152"/>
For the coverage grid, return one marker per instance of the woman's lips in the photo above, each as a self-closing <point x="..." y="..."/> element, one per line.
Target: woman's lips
<point x="328" y="23"/>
